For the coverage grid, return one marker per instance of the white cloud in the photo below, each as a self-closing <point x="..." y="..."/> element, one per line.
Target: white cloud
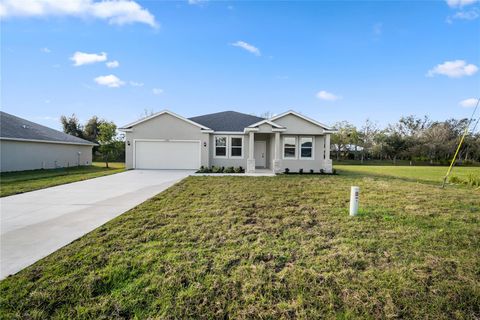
<point x="453" y="69"/>
<point x="378" y="29"/>
<point x="459" y="3"/>
<point x="193" y="2"/>
<point x="464" y="15"/>
<point x="157" y="91"/>
<point x="112" y="64"/>
<point x="136" y="84"/>
<point x="109" y="81"/>
<point x="328" y="96"/>
<point x="247" y="46"/>
<point x="45" y="50"/>
<point x="81" y="58"/>
<point x="114" y="11"/>
<point x="468" y="103"/>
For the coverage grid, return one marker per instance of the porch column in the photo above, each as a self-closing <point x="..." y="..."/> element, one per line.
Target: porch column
<point x="251" y="153"/>
<point x="328" y="161"/>
<point x="276" y="160"/>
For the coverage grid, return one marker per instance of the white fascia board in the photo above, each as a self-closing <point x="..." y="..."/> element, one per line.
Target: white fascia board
<point x="228" y="132"/>
<point x="273" y="124"/>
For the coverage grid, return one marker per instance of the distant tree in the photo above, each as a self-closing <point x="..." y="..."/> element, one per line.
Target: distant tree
<point x="266" y="115"/>
<point x="395" y="145"/>
<point x="109" y="143"/>
<point x="367" y="136"/>
<point x="147" y="113"/>
<point x="346" y="136"/>
<point x="91" y="129"/>
<point x="72" y="126"/>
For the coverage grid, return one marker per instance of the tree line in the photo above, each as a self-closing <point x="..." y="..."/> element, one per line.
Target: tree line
<point x="416" y="139"/>
<point x="111" y="146"/>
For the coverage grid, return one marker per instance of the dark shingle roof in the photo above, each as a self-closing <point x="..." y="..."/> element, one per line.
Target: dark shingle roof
<point x="13" y="127"/>
<point x="227" y="121"/>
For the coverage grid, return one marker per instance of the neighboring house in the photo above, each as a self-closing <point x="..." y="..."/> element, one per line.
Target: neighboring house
<point x="166" y="140"/>
<point x="26" y="145"/>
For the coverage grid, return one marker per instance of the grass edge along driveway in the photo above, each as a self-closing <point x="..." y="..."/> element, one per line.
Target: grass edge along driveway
<point x="268" y="247"/>
<point x="24" y="181"/>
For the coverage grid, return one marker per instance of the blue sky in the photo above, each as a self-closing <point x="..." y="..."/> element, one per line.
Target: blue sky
<point x="331" y="61"/>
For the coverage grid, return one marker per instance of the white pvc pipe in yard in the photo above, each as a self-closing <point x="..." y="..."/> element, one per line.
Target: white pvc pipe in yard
<point x="354" y="195"/>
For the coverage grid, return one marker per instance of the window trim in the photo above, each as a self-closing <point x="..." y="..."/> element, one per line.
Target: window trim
<point x="296" y="148"/>
<point x="300" y="148"/>
<point x="215" y="146"/>
<point x="231" y="146"/>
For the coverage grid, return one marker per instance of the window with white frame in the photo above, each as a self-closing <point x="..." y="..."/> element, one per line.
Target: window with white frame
<point x="236" y="147"/>
<point x="221" y="146"/>
<point x="289" y="147"/>
<point x="306" y="148"/>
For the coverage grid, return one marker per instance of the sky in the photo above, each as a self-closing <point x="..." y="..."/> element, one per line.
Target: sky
<point x="332" y="61"/>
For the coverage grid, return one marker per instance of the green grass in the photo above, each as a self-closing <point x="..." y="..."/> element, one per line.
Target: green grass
<point x="24" y="181"/>
<point x="376" y="162"/>
<point x="426" y="174"/>
<point x="268" y="247"/>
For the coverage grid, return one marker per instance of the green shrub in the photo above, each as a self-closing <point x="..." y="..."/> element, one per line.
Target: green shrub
<point x="229" y="170"/>
<point x="300" y="171"/>
<point x="216" y="169"/>
<point x="203" y="169"/>
<point x="238" y="170"/>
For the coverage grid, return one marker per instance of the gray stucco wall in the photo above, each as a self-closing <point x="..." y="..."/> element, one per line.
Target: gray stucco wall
<point x="166" y="127"/>
<point x="228" y="162"/>
<point x="296" y="125"/>
<point x="22" y="155"/>
<point x="236" y="162"/>
<point x="316" y="163"/>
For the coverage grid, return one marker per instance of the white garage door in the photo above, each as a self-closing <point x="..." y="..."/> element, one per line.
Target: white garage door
<point x="167" y="154"/>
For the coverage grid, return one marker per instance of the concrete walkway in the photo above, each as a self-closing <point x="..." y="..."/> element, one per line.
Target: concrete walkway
<point x="37" y="223"/>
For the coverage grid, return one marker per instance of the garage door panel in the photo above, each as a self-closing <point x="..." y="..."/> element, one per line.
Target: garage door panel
<point x="167" y="154"/>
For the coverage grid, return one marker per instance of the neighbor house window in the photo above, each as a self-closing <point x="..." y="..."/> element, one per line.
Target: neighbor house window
<point x="236" y="147"/>
<point x="220" y="146"/>
<point x="289" y="147"/>
<point x="306" y="148"/>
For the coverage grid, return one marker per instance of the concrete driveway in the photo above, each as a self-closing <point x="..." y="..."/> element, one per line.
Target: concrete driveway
<point x="37" y="223"/>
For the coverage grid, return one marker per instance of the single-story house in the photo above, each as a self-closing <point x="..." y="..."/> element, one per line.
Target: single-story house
<point x="25" y="145"/>
<point x="166" y="140"/>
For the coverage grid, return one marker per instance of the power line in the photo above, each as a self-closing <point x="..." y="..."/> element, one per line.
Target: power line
<point x="461" y="142"/>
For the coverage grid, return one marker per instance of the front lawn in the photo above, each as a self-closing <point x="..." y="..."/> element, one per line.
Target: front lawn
<point x="24" y="181"/>
<point x="268" y="247"/>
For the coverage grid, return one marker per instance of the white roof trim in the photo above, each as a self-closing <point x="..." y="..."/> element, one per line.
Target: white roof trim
<point x="273" y="124"/>
<point x="128" y="126"/>
<point x="91" y="144"/>
<point x="228" y="132"/>
<point x="301" y="116"/>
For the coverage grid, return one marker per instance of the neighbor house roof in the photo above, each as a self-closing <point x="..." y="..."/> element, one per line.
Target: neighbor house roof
<point x="227" y="121"/>
<point x="15" y="128"/>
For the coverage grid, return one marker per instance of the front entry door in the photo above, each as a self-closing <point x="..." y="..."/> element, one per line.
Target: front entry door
<point x="260" y="154"/>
